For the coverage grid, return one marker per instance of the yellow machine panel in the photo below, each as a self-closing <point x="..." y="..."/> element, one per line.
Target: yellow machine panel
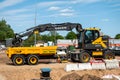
<point x="48" y="50"/>
<point x="97" y="53"/>
<point x="100" y="41"/>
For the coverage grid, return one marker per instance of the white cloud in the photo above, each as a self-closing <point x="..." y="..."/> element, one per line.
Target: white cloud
<point x="54" y="3"/>
<point x="49" y="3"/>
<point x="61" y="11"/>
<point x="61" y="2"/>
<point x="7" y="3"/>
<point x="85" y="1"/>
<point x="66" y="14"/>
<point x="66" y="10"/>
<point x="54" y="8"/>
<point x="61" y="15"/>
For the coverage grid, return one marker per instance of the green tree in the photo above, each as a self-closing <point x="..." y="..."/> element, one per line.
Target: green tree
<point x="71" y="35"/>
<point x="59" y="37"/>
<point x="31" y="40"/>
<point x="52" y="36"/>
<point x="5" y="30"/>
<point x="117" y="36"/>
<point x="2" y="35"/>
<point x="45" y="38"/>
<point x="53" y="33"/>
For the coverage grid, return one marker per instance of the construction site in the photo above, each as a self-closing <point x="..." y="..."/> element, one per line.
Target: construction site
<point x="91" y="56"/>
<point x="59" y="40"/>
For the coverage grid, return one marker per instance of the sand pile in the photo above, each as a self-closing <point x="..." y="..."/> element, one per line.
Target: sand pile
<point x="75" y="76"/>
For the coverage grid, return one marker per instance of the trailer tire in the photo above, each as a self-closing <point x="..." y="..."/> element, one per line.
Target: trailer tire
<point x="109" y="55"/>
<point x="84" y="57"/>
<point x="18" y="59"/>
<point x="32" y="59"/>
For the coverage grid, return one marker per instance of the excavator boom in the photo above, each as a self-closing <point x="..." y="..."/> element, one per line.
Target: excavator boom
<point x="17" y="40"/>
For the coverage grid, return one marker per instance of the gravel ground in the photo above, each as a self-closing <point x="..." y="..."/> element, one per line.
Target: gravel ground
<point x="8" y="71"/>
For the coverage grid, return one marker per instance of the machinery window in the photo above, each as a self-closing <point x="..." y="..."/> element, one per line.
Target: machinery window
<point x="89" y="36"/>
<point x="96" y="34"/>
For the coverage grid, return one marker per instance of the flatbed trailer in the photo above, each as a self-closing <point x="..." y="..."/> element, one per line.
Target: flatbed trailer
<point x="29" y="55"/>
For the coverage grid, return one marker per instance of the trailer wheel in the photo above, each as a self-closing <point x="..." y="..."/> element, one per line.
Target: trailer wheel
<point x="109" y="55"/>
<point x="18" y="59"/>
<point x="84" y="57"/>
<point x="32" y="59"/>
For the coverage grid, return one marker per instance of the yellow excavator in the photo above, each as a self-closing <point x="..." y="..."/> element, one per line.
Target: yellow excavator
<point x="90" y="44"/>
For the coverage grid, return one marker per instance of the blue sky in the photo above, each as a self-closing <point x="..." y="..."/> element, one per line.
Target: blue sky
<point x="104" y="14"/>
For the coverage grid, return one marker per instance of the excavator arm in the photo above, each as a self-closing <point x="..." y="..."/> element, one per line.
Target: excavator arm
<point x="17" y="40"/>
<point x="52" y="27"/>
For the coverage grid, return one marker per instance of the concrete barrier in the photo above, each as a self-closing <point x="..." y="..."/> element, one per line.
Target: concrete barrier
<point x="78" y="66"/>
<point x="95" y="64"/>
<point x="70" y="67"/>
<point x="84" y="66"/>
<point x="110" y="64"/>
<point x="98" y="66"/>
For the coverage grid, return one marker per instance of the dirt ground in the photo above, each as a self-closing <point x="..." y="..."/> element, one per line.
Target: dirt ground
<point x="8" y="71"/>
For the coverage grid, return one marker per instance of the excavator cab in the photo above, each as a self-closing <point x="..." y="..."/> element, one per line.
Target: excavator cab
<point x="87" y="37"/>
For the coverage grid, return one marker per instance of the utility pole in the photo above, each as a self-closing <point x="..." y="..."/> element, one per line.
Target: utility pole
<point x="35" y="22"/>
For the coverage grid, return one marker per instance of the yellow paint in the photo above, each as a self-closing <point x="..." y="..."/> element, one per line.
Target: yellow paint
<point x="92" y="29"/>
<point x="100" y="41"/>
<point x="36" y="32"/>
<point x="48" y="50"/>
<point x="97" y="53"/>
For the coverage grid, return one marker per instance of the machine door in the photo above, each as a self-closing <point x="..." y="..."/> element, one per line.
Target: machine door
<point x="80" y="39"/>
<point x="89" y="37"/>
